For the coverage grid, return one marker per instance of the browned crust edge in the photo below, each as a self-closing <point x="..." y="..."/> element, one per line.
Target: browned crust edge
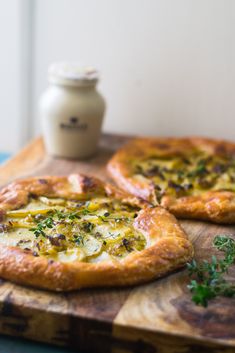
<point x="214" y="206"/>
<point x="171" y="248"/>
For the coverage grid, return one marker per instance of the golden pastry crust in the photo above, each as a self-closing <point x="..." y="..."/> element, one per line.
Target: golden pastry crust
<point x="207" y="204"/>
<point x="169" y="248"/>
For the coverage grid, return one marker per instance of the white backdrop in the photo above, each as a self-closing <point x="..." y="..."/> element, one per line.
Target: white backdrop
<point x="168" y="66"/>
<point x="9" y="75"/>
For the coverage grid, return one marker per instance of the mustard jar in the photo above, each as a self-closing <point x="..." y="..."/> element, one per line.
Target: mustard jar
<point x="71" y="111"/>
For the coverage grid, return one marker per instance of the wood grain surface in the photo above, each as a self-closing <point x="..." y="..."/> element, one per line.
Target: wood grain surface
<point x="157" y="317"/>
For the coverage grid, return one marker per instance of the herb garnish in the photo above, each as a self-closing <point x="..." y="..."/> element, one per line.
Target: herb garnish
<point x="49" y="222"/>
<point x="39" y="229"/>
<point x="199" y="170"/>
<point x="208" y="277"/>
<point x="78" y="240"/>
<point x="69" y="215"/>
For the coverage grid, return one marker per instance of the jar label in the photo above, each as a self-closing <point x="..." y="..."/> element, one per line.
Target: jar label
<point x="74" y="123"/>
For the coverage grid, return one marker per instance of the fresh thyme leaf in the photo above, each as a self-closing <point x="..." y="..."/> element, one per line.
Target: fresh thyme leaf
<point x="225" y="244"/>
<point x="72" y="215"/>
<point x="201" y="293"/>
<point x="41" y="226"/>
<point x="208" y="279"/>
<point x="199" y="170"/>
<point x="60" y="215"/>
<point x="67" y="215"/>
<point x="85" y="212"/>
<point x="78" y="240"/>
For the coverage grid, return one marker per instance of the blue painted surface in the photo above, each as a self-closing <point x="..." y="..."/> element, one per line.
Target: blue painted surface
<point x="16" y="345"/>
<point x="4" y="156"/>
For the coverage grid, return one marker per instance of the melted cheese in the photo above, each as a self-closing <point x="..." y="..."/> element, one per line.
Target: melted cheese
<point x="67" y="231"/>
<point x="16" y="236"/>
<point x="191" y="174"/>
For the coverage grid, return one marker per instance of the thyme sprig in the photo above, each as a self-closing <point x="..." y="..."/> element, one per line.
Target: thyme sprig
<point x="41" y="226"/>
<point x="208" y="279"/>
<point x="50" y="221"/>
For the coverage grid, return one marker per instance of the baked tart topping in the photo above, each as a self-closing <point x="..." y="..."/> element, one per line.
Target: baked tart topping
<point x="87" y="231"/>
<point x="187" y="174"/>
<point x="72" y="232"/>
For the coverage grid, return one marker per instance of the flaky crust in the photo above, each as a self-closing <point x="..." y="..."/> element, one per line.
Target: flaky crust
<point x="169" y="249"/>
<point x="214" y="206"/>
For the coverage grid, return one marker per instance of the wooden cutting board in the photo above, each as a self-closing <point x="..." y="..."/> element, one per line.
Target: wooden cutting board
<point x="156" y="317"/>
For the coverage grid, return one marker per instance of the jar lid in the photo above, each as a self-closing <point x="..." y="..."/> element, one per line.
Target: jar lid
<point x="72" y="74"/>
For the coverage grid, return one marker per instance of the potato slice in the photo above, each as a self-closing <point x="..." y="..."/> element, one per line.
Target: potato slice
<point x="70" y="255"/>
<point x="91" y="246"/>
<point x="25" y="213"/>
<point x="52" y="202"/>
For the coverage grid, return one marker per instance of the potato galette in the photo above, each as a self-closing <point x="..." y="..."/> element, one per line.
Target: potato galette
<point x="65" y="233"/>
<point x="191" y="177"/>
